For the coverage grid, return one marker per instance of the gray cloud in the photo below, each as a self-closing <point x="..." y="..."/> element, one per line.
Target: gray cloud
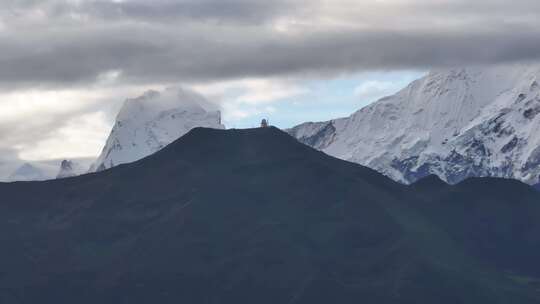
<point x="155" y="55"/>
<point x="30" y="130"/>
<point x="202" y="40"/>
<point x="238" y="11"/>
<point x="167" y="10"/>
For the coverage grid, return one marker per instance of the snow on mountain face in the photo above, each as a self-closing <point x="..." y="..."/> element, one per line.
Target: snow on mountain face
<point x="150" y="122"/>
<point x="455" y="123"/>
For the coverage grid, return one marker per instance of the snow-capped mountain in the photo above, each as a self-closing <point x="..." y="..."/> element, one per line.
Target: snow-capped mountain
<point x="28" y="172"/>
<point x="456" y="123"/>
<point x="148" y="123"/>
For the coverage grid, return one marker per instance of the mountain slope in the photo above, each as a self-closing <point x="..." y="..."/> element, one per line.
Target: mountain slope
<point x="484" y="215"/>
<point x="148" y="123"/>
<point x="455" y="123"/>
<point x="253" y="216"/>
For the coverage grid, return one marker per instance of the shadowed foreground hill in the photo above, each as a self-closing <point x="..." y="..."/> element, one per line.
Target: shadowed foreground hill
<point x="252" y="216"/>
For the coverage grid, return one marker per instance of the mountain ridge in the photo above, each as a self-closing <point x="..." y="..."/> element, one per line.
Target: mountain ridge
<point x="455" y="123"/>
<point x="253" y="216"/>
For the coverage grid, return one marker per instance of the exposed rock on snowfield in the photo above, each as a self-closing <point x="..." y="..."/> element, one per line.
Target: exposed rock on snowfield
<point x="66" y="169"/>
<point x="455" y="123"/>
<point x="150" y="122"/>
<point x="69" y="168"/>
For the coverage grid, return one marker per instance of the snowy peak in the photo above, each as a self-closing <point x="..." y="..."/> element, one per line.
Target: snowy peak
<point x="27" y="172"/>
<point x="148" y="123"/>
<point x="455" y="123"/>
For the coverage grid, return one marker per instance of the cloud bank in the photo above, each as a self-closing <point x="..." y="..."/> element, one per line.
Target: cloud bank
<point x="74" y="42"/>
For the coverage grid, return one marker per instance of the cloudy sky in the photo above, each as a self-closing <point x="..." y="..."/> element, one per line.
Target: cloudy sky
<point x="67" y="66"/>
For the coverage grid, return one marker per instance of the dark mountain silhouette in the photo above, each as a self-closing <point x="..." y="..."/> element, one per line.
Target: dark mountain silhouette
<point x="253" y="216"/>
<point x="430" y="183"/>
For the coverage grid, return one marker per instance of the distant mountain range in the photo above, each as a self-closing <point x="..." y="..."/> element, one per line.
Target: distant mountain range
<point x="253" y="216"/>
<point x="455" y="123"/>
<point x="16" y="170"/>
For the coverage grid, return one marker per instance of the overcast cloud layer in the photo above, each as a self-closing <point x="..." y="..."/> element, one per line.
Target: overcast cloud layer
<point x="72" y="42"/>
<point x="66" y="66"/>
